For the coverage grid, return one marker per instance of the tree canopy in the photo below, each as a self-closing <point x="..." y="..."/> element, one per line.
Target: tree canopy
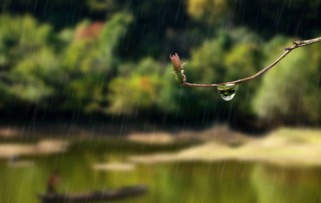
<point x="111" y="57"/>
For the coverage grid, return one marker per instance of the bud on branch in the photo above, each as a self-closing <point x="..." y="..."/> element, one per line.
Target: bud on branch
<point x="178" y="68"/>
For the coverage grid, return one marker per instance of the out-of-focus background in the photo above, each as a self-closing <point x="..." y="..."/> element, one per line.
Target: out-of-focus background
<point x="87" y="92"/>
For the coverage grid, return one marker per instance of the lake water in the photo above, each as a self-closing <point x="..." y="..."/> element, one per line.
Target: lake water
<point x="199" y="182"/>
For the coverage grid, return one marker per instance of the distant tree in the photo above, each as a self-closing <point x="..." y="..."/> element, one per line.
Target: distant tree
<point x="27" y="60"/>
<point x="90" y="62"/>
<point x="136" y="90"/>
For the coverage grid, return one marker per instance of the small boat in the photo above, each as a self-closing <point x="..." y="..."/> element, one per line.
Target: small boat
<point x="96" y="196"/>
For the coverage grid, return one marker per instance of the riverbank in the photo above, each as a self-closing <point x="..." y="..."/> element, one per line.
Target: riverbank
<point x="285" y="146"/>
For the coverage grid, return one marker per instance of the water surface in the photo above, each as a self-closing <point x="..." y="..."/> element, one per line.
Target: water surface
<point x="167" y="182"/>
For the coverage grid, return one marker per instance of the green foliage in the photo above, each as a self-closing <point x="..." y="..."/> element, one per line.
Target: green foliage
<point x="207" y="61"/>
<point x="86" y="93"/>
<point x="32" y="77"/>
<point x="129" y="96"/>
<point x="89" y="63"/>
<point x="291" y="91"/>
<point x="227" y="57"/>
<point x="136" y="90"/>
<point x="174" y="99"/>
<point x="112" y="57"/>
<point x="98" y="53"/>
<point x="20" y="36"/>
<point x="242" y="61"/>
<point x="26" y="59"/>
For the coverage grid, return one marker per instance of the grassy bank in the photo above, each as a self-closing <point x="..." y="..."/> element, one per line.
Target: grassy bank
<point x="285" y="146"/>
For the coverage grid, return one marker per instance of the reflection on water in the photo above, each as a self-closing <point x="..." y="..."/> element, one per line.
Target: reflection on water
<point x="170" y="182"/>
<point x="274" y="184"/>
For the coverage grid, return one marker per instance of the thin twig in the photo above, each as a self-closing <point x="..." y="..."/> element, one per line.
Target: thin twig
<point x="178" y="66"/>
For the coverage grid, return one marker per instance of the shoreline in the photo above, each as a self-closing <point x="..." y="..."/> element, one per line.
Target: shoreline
<point x="285" y="146"/>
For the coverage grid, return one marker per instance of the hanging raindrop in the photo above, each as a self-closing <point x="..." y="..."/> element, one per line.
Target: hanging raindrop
<point x="227" y="91"/>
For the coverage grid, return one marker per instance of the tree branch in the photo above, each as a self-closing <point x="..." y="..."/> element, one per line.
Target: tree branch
<point x="181" y="77"/>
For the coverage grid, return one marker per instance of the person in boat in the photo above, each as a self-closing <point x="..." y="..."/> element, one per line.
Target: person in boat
<point x="52" y="183"/>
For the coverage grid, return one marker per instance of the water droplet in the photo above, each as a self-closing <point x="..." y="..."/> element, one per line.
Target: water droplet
<point x="227" y="91"/>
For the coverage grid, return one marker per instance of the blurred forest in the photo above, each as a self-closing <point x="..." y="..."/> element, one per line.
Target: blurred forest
<point x="110" y="58"/>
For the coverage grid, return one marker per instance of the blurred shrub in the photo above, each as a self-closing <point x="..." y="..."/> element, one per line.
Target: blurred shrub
<point x="136" y="89"/>
<point x="228" y="57"/>
<point x="174" y="99"/>
<point x="290" y="92"/>
<point x="27" y="62"/>
<point x="39" y="66"/>
<point x="19" y="37"/>
<point x="33" y="78"/>
<point x="242" y="61"/>
<point x="94" y="50"/>
<point x="90" y="62"/>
